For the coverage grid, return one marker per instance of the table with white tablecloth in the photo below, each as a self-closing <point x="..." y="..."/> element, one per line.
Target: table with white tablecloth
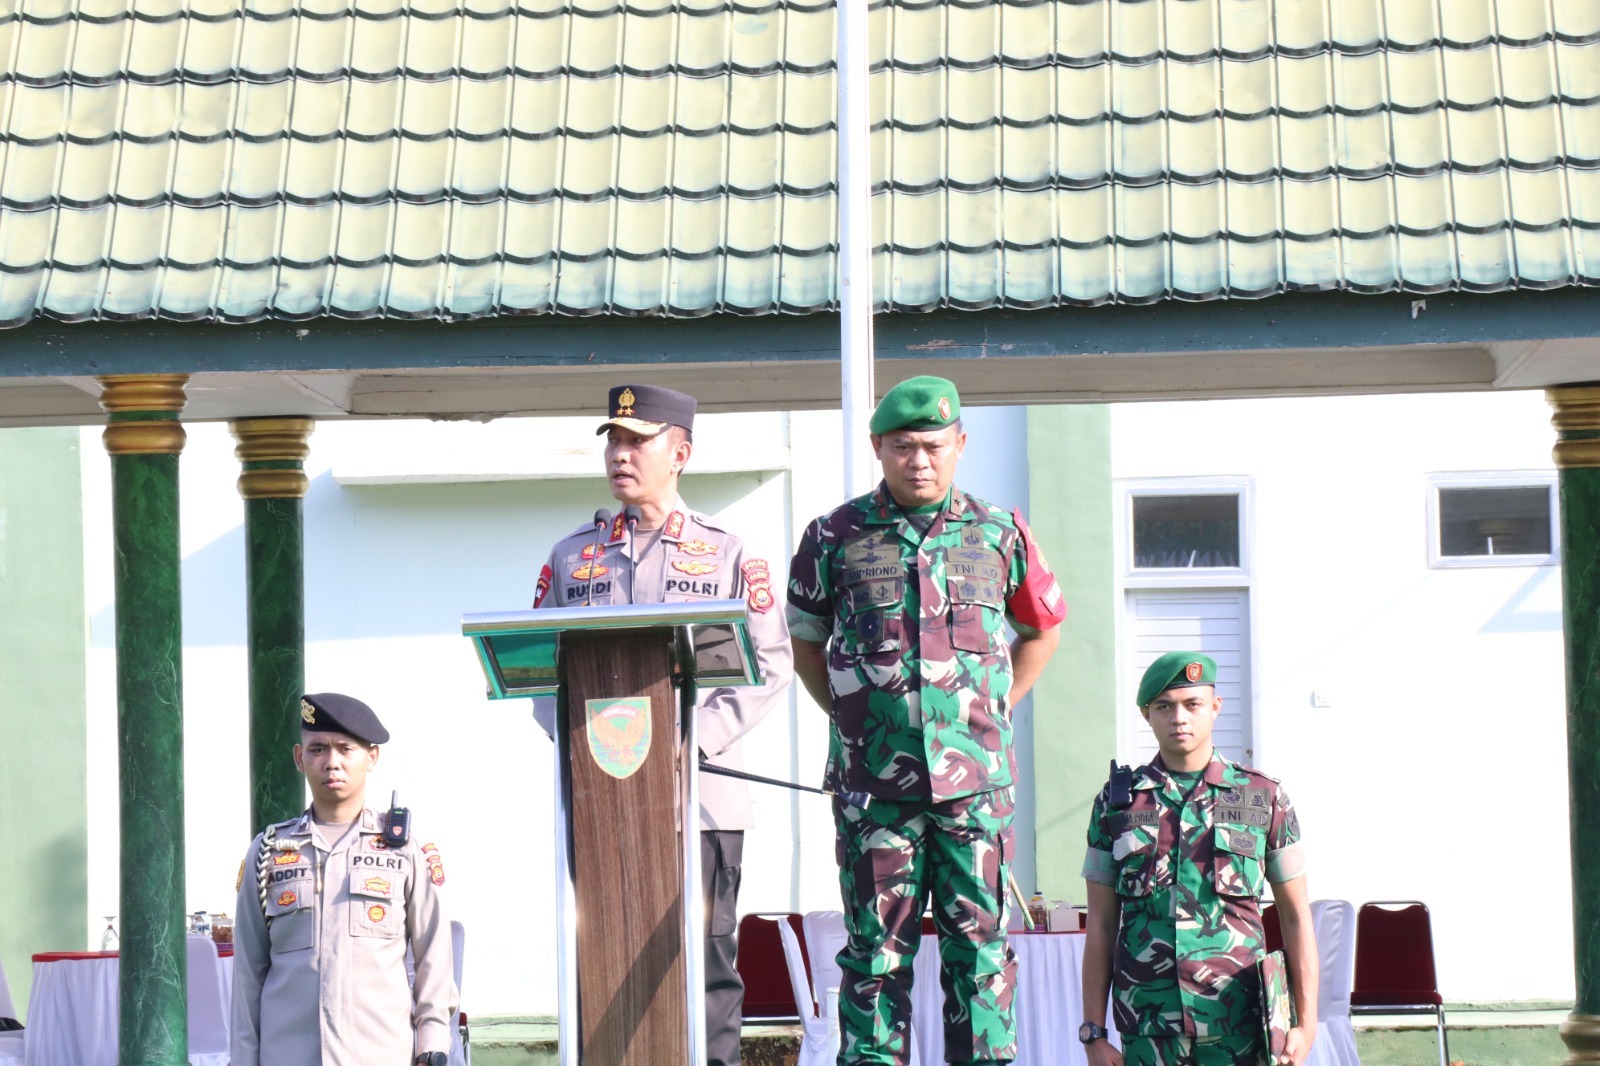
<point x="72" y="1013"/>
<point x="1048" y="1003"/>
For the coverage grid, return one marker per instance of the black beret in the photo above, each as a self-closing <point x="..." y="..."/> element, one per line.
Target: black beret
<point x="648" y="409"/>
<point x="331" y="712"/>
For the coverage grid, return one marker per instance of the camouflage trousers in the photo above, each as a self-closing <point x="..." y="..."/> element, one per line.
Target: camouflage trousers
<point x="1187" y="1051"/>
<point x="894" y="856"/>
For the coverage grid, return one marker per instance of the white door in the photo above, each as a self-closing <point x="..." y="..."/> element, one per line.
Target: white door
<point x="1213" y="621"/>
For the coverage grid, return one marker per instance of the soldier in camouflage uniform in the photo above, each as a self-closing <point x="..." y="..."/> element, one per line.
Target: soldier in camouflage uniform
<point x="1179" y="852"/>
<point x="898" y="604"/>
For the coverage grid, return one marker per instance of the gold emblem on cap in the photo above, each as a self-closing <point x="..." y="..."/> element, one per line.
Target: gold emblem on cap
<point x="308" y="713"/>
<point x="625" y="400"/>
<point x="944" y="407"/>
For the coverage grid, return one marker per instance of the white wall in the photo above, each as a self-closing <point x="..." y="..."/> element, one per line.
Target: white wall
<point x="1440" y="766"/>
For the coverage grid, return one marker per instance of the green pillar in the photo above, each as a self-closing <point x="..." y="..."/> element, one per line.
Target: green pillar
<point x="272" y="452"/>
<point x="1074" y="701"/>
<point x="144" y="438"/>
<point x="1577" y="455"/>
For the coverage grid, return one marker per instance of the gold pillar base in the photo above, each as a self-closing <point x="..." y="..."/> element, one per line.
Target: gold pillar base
<point x="1581" y="1034"/>
<point x="280" y="441"/>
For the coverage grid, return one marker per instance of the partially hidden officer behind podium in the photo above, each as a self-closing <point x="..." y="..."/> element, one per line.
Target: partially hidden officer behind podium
<point x="328" y="904"/>
<point x="675" y="555"/>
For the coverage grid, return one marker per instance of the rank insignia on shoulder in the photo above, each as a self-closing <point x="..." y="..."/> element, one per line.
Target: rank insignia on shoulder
<point x="286" y="898"/>
<point x="375" y="913"/>
<point x="286" y="858"/>
<point x="674" y="527"/>
<point x="693" y="566"/>
<point x="618" y="524"/>
<point x="590" y="570"/>
<point x="698" y="547"/>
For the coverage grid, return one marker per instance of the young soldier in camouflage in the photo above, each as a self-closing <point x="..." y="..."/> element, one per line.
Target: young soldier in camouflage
<point x="1178" y="854"/>
<point x="897" y="608"/>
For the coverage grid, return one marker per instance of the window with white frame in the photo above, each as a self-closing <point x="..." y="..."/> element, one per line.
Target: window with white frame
<point x="1185" y="531"/>
<point x="1506" y="519"/>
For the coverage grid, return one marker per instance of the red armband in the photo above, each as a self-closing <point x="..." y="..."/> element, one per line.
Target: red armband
<point x="1038" y="602"/>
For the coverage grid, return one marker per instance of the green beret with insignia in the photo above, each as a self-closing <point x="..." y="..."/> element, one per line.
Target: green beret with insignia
<point x="1176" y="669"/>
<point x="917" y="403"/>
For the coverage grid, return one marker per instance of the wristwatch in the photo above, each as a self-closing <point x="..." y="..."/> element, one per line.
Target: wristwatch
<point x="433" y="1058"/>
<point x="1089" y="1032"/>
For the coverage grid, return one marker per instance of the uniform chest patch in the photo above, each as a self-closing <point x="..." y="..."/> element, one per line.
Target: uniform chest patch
<point x="286" y="858"/>
<point x="592" y="551"/>
<point x="377" y="884"/>
<point x="694" y="567"/>
<point x="697" y="547"/>
<point x="286" y="898"/>
<point x="590" y="570"/>
<point x="376" y="912"/>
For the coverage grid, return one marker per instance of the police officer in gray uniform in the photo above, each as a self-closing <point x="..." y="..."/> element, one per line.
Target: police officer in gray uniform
<point x="671" y="554"/>
<point x="328" y="903"/>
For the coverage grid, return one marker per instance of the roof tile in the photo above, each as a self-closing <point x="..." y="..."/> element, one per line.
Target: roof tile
<point x="358" y="157"/>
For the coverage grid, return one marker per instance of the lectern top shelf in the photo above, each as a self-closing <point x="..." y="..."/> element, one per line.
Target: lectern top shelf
<point x="519" y="650"/>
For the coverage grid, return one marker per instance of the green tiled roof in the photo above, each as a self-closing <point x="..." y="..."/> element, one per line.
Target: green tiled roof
<point x="208" y="160"/>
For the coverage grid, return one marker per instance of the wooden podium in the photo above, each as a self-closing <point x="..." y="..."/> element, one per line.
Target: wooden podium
<point x="628" y="897"/>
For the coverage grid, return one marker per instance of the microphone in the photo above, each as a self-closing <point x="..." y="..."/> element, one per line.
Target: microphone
<point x="630" y="518"/>
<point x="602" y="519"/>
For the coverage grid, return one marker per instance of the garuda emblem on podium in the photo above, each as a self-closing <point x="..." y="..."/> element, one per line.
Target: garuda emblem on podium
<point x="619" y="734"/>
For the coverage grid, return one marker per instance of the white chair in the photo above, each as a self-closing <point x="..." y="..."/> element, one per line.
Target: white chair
<point x="815" y="1042"/>
<point x="1334" y="923"/>
<point x="208" y="1005"/>
<point x="460" y="1039"/>
<point x="825" y="938"/>
<point x="12" y="1042"/>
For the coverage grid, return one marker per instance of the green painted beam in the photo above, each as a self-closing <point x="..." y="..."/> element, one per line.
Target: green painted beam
<point x="1074" y="720"/>
<point x="1317" y="320"/>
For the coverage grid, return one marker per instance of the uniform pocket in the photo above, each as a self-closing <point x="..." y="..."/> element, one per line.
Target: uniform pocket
<point x="291" y="916"/>
<point x="873" y="617"/>
<point x="375" y="904"/>
<point x="975" y="613"/>
<point x="1134" y="852"/>
<point x="1240" y="854"/>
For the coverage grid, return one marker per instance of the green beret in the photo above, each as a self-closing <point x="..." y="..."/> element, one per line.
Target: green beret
<point x="917" y="403"/>
<point x="1176" y="669"/>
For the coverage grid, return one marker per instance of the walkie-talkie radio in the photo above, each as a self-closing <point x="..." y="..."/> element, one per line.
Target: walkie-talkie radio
<point x="398" y="829"/>
<point x="1121" y="787"/>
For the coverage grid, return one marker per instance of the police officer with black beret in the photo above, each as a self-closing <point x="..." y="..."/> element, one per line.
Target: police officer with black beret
<point x="328" y="903"/>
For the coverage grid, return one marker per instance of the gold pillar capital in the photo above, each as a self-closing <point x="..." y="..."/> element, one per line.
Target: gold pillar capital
<point x="1581" y="1034"/>
<point x="273" y="451"/>
<point x="143" y="413"/>
<point x="1577" y="423"/>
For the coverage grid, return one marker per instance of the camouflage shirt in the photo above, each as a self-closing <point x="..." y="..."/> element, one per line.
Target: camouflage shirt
<point x="919" y="662"/>
<point x="1189" y="871"/>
